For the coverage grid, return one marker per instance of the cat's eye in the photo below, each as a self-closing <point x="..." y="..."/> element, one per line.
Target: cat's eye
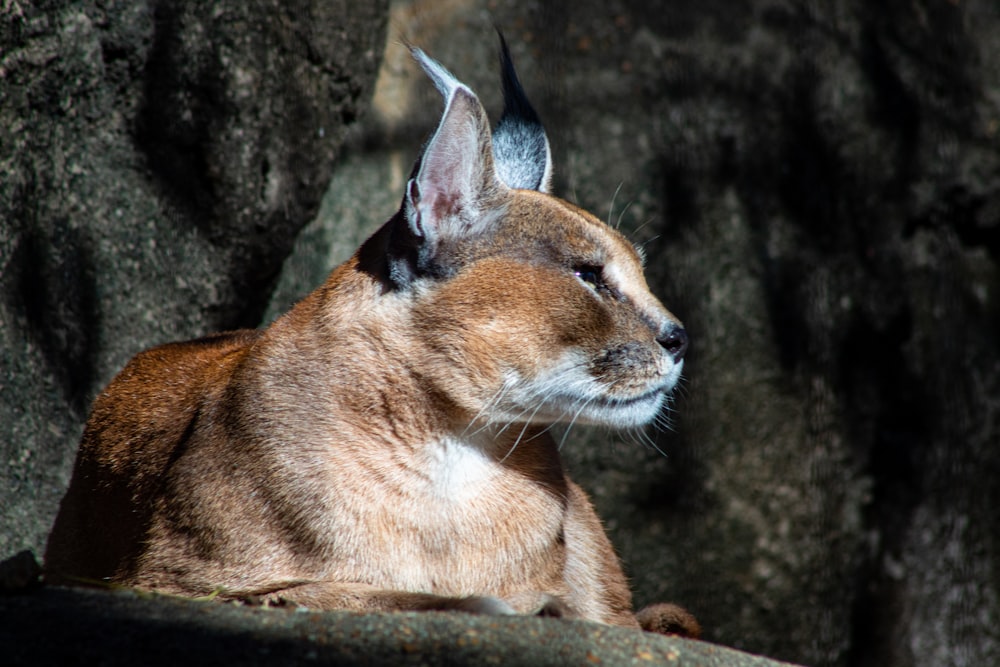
<point x="592" y="275"/>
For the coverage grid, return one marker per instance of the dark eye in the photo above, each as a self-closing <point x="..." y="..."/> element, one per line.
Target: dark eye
<point x="592" y="275"/>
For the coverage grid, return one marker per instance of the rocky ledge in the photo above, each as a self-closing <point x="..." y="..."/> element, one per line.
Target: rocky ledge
<point x="54" y="625"/>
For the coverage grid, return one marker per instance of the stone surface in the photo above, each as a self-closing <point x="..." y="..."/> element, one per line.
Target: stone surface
<point x="157" y="160"/>
<point x="65" y="626"/>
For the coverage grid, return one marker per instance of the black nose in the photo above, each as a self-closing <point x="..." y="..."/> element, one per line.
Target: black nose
<point x="675" y="341"/>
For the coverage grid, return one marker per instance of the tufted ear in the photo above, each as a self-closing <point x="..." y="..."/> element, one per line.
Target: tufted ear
<point x="520" y="147"/>
<point x="455" y="189"/>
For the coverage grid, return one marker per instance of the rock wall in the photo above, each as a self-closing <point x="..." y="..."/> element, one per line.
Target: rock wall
<point x="157" y="160"/>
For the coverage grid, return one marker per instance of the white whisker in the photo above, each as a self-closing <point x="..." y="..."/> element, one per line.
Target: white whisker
<point x="611" y="206"/>
<point x="488" y="406"/>
<point x="649" y="240"/>
<point x="643" y="226"/>
<point x="618" y="223"/>
<point x="520" y="435"/>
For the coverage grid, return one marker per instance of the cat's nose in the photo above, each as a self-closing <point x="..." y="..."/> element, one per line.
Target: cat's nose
<point x="674" y="340"/>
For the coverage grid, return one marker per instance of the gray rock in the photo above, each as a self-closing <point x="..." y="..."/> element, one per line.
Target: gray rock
<point x="67" y="626"/>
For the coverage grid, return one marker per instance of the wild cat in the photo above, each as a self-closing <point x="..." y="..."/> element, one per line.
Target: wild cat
<point x="384" y="445"/>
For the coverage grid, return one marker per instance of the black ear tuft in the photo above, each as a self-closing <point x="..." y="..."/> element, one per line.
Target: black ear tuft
<point x="515" y="100"/>
<point x="520" y="147"/>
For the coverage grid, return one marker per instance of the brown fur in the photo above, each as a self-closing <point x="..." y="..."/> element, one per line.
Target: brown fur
<point x="383" y="445"/>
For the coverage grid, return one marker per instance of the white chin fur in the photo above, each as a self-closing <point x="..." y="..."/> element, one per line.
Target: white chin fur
<point x="625" y="414"/>
<point x="571" y="395"/>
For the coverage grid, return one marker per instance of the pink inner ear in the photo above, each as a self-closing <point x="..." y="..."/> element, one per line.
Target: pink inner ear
<point x="445" y="204"/>
<point x="441" y="187"/>
<point x="453" y="169"/>
<point x="448" y="177"/>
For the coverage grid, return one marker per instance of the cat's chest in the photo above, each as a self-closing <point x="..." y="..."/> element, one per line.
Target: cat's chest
<point x="456" y="519"/>
<point x="451" y="471"/>
<point x="458" y="487"/>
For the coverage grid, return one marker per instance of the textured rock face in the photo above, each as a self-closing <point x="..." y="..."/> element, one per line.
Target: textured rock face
<point x="817" y="188"/>
<point x="818" y="191"/>
<point x="61" y="626"/>
<point x="157" y="159"/>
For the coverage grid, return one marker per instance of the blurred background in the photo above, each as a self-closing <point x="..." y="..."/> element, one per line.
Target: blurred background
<point x="816" y="186"/>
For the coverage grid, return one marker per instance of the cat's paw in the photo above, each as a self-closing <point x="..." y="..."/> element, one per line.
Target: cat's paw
<point x="669" y="619"/>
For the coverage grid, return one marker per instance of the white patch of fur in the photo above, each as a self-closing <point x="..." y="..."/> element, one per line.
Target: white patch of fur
<point x="457" y="469"/>
<point x="621" y="280"/>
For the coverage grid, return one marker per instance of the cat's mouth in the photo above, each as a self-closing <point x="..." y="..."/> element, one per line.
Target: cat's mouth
<point x="614" y="411"/>
<point x="629" y="410"/>
<point x="630" y="401"/>
<point x="653" y="394"/>
<point x="572" y="395"/>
